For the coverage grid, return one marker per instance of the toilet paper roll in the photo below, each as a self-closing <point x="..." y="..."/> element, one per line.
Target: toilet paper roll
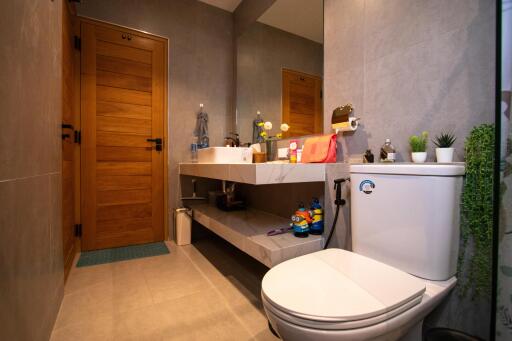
<point x="350" y="125"/>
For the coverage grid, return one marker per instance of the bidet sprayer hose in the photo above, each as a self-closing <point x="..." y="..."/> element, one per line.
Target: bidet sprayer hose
<point x="338" y="202"/>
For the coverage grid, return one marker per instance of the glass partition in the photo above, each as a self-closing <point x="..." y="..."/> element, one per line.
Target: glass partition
<point x="504" y="261"/>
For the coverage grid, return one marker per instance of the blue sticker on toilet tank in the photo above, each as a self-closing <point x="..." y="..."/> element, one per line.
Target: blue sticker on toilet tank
<point x="366" y="186"/>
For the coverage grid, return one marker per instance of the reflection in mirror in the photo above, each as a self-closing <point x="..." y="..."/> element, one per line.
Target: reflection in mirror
<point x="280" y="69"/>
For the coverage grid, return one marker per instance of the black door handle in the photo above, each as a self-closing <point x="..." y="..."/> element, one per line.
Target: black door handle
<point x="67" y="126"/>
<point x="158" y="142"/>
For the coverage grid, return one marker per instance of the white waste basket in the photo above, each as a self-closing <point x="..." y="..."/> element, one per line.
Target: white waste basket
<point x="182" y="226"/>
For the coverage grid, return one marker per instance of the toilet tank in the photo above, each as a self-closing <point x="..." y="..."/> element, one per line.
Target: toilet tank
<point x="407" y="216"/>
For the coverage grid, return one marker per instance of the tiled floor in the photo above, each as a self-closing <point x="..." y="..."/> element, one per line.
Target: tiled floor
<point x="205" y="291"/>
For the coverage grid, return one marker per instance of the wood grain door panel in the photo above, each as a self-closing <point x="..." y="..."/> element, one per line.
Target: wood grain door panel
<point x="302" y="103"/>
<point x="123" y="101"/>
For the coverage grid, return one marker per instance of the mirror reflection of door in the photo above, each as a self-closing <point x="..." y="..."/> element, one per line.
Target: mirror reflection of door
<point x="287" y="38"/>
<point x="302" y="103"/>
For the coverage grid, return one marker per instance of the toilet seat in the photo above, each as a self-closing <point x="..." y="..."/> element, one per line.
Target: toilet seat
<point x="338" y="289"/>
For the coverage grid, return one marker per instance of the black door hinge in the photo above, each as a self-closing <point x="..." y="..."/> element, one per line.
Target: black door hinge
<point x="78" y="43"/>
<point x="78" y="230"/>
<point x="321" y="94"/>
<point x="78" y="136"/>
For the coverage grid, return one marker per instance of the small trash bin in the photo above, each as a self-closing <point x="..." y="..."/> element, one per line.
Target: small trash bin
<point x="182" y="225"/>
<point x="446" y="334"/>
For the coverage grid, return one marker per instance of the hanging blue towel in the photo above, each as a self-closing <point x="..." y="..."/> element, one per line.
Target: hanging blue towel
<point x="201" y="131"/>
<point x="257" y="129"/>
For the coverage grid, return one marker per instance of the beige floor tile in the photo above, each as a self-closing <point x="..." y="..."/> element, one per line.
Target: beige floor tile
<point x="111" y="297"/>
<point x="247" y="308"/>
<point x="180" y="296"/>
<point x="170" y="284"/>
<point x="205" y="267"/>
<point x="139" y="324"/>
<point x="87" y="327"/>
<point x="82" y="278"/>
<point x="201" y="316"/>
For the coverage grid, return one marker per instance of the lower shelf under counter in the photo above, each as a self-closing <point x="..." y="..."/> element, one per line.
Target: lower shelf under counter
<point x="247" y="230"/>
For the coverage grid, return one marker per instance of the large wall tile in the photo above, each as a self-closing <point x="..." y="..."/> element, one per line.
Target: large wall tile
<point x="31" y="290"/>
<point x="415" y="65"/>
<point x="31" y="271"/>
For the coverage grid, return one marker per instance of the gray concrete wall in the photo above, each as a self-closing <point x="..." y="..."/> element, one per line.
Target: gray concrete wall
<point x="409" y="66"/>
<point x="200" y="66"/>
<point x="262" y="52"/>
<point x="31" y="259"/>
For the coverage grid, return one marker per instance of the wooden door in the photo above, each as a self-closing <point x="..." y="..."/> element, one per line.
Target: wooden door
<point x="123" y="84"/>
<point x="68" y="145"/>
<point x="302" y="103"/>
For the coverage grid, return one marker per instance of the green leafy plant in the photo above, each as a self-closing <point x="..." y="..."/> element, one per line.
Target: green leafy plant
<point x="419" y="143"/>
<point x="477" y="213"/>
<point x="445" y="140"/>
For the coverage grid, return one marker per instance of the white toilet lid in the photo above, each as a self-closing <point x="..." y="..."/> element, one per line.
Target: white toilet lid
<point x="337" y="285"/>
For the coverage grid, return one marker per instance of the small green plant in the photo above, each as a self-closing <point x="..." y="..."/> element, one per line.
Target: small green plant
<point x="419" y="143"/>
<point x="445" y="140"/>
<point x="477" y="213"/>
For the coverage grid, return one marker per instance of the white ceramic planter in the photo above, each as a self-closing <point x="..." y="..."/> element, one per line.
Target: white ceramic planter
<point x="419" y="157"/>
<point x="444" y="155"/>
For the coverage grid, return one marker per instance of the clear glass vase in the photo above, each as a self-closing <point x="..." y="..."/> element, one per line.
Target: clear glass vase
<point x="271" y="146"/>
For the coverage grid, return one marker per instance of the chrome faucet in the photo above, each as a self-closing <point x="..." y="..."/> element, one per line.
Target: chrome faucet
<point x="233" y="140"/>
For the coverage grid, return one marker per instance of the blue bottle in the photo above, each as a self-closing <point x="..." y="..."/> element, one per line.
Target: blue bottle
<point x="317" y="215"/>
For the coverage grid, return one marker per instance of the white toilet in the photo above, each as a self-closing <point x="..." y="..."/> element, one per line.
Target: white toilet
<point x="405" y="237"/>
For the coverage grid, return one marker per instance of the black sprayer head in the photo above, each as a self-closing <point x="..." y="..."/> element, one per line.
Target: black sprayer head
<point x="337" y="186"/>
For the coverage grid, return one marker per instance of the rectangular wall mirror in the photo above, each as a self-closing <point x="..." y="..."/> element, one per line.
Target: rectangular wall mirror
<point x="280" y="70"/>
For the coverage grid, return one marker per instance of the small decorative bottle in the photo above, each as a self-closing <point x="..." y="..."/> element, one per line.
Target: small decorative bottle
<point x="387" y="152"/>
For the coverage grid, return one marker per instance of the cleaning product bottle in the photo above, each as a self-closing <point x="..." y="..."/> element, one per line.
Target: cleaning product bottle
<point x="300" y="222"/>
<point x="387" y="152"/>
<point x="317" y="215"/>
<point x="294" y="144"/>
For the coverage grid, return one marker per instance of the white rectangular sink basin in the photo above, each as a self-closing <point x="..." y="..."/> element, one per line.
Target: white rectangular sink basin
<point x="224" y="155"/>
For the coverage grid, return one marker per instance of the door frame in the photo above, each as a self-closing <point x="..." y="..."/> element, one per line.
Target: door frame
<point x="165" y="146"/>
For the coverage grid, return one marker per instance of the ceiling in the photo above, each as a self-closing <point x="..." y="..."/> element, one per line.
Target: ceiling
<point x="228" y="5"/>
<point x="304" y="18"/>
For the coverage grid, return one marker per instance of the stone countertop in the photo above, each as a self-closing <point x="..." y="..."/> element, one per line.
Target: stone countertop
<point x="247" y="230"/>
<point x="257" y="173"/>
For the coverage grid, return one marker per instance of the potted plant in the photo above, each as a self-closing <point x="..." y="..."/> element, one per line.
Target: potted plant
<point x="419" y="147"/>
<point x="271" y="141"/>
<point x="444" y="150"/>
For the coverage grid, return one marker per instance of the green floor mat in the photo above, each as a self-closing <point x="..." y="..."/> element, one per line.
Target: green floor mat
<point x="121" y="253"/>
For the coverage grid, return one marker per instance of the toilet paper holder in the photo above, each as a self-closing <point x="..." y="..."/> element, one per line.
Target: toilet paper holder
<point x="342" y="120"/>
